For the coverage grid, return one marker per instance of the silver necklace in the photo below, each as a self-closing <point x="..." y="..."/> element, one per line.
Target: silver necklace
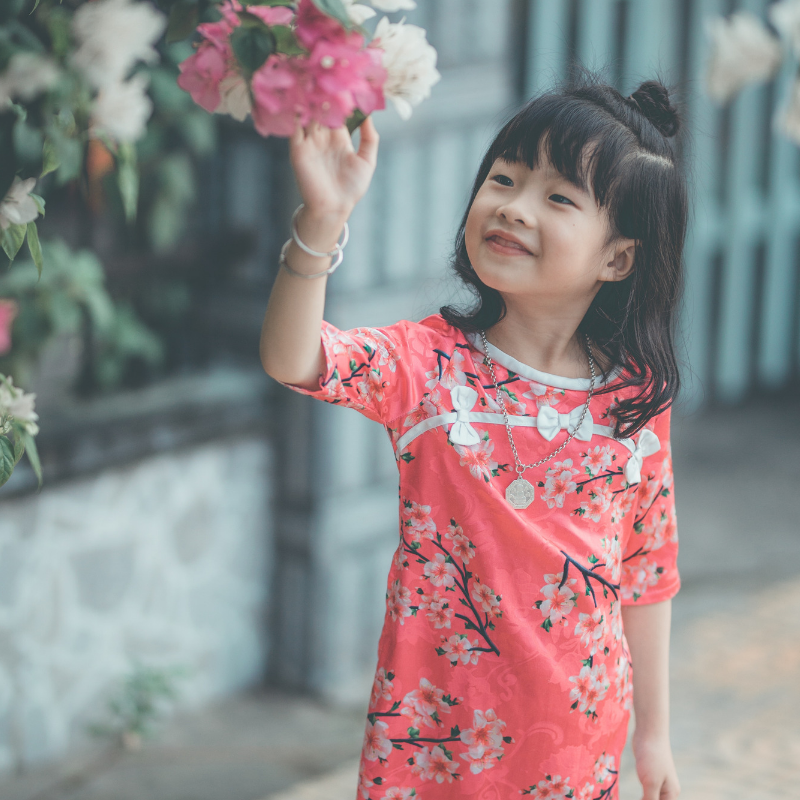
<point x="520" y="493"/>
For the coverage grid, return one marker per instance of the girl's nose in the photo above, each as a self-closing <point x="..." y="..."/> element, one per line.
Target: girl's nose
<point x="514" y="212"/>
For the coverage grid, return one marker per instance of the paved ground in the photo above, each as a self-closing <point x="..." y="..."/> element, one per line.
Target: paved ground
<point x="735" y="654"/>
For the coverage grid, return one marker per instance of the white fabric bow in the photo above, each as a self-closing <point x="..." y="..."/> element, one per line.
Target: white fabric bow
<point x="461" y="431"/>
<point x="550" y="422"/>
<point x="647" y="445"/>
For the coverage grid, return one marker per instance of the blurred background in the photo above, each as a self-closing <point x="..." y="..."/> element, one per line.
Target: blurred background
<point x="209" y="544"/>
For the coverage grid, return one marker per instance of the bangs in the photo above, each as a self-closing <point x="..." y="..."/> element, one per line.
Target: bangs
<point x="585" y="147"/>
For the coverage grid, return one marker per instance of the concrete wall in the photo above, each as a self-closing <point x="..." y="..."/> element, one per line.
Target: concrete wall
<point x="166" y="560"/>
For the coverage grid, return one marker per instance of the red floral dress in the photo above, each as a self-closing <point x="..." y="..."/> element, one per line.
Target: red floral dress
<point x="502" y="664"/>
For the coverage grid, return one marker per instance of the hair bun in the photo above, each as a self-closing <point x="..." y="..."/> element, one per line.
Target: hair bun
<point x="652" y="100"/>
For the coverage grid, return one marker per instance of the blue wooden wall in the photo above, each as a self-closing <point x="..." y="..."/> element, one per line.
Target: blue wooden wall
<point x="739" y="331"/>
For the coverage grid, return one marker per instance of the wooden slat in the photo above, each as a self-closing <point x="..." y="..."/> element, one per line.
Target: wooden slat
<point x="775" y="347"/>
<point x="546" y="43"/>
<point x="595" y="45"/>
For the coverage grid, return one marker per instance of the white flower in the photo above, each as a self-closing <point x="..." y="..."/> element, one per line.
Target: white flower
<point x="785" y="16"/>
<point x="18" y="405"/>
<point x="410" y="63"/>
<point x="18" y="208"/>
<point x="122" y="110"/>
<point x="26" y="76"/>
<point x="788" y="119"/>
<point x="234" y="97"/>
<point x="742" y="51"/>
<point x="113" y="35"/>
<point x="358" y="12"/>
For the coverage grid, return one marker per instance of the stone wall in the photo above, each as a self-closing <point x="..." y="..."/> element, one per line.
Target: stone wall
<point x="166" y="560"/>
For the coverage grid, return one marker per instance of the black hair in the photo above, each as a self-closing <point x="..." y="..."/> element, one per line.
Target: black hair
<point x="593" y="135"/>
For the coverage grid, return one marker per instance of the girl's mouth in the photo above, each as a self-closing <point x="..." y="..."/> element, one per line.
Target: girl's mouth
<point x="505" y="247"/>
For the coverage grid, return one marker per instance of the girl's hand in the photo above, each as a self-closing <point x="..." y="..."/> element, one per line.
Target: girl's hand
<point x="656" y="768"/>
<point x="331" y="175"/>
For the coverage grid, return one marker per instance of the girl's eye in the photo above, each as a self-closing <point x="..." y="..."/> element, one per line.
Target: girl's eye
<point x="505" y="178"/>
<point x="559" y="198"/>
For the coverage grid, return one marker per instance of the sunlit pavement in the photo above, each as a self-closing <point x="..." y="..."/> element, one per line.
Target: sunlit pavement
<point x="735" y="658"/>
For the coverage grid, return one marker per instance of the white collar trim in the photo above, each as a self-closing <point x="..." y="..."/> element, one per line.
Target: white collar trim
<point x="556" y="381"/>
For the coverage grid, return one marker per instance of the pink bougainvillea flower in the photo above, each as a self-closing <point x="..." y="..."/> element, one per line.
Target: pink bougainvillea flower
<point x="278" y="96"/>
<point x="313" y="25"/>
<point x="202" y="72"/>
<point x="8" y="311"/>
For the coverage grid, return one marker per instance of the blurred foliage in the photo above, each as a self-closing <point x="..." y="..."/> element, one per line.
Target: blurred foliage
<point x="71" y="298"/>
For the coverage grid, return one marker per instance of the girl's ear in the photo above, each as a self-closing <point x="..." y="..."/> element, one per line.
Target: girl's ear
<point x="621" y="264"/>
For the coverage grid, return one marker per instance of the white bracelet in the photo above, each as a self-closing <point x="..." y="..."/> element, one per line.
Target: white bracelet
<point x="282" y="261"/>
<point x="296" y="236"/>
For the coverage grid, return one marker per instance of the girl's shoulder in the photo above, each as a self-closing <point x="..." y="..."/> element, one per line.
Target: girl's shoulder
<point x="429" y="334"/>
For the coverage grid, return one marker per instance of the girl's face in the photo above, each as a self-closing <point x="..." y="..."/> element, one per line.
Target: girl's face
<point x="532" y="232"/>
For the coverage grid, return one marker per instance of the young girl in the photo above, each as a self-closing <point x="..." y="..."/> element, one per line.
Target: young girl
<point x="537" y="552"/>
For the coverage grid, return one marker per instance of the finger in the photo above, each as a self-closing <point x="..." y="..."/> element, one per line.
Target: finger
<point x="368" y="146"/>
<point x="652" y="791"/>
<point x="297" y="134"/>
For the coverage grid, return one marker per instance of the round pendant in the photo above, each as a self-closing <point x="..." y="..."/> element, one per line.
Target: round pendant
<point x="520" y="493"/>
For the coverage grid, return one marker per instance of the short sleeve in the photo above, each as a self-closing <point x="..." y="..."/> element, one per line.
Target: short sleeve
<point x="367" y="369"/>
<point x="649" y="566"/>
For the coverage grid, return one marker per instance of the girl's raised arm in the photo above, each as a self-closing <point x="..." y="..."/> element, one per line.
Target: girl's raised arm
<point x="332" y="178"/>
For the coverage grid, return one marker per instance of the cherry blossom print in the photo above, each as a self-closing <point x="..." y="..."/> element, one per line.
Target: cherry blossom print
<point x="459" y="648"/>
<point x="431" y="405"/>
<point x="551" y="788"/>
<point x="622" y="505"/>
<point x="597" y="459"/>
<point x="436" y="764"/>
<point x="478" y="457"/>
<point x="612" y="556"/>
<point x="364" y="783"/>
<point x="462" y="546"/>
<point x="559" y="482"/>
<point x="604" y="768"/>
<point x="514" y="406"/>
<point x="487" y="599"/>
<point x="597" y="503"/>
<point x="659" y="530"/>
<point x="465" y="555"/>
<point x="381" y="687"/>
<point x="426" y="703"/>
<point x="590" y="688"/>
<point x="440" y="571"/>
<point x="453" y="371"/>
<point x="398" y="602"/>
<point x="558" y="602"/>
<point x="615" y="620"/>
<point x="387" y="353"/>
<point x="544" y="395"/>
<point x="637" y="575"/>
<point x="649" y="487"/>
<point x="372" y="386"/>
<point x="376" y="744"/>
<point x="586" y="792"/>
<point x="399" y="793"/>
<point x="417" y="520"/>
<point x="591" y="629"/>
<point x="486" y="732"/>
<point x="623" y="683"/>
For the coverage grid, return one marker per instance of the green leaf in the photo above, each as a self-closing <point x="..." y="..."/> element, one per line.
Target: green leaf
<point x="128" y="178"/>
<point x="252" y="43"/>
<point x="182" y="20"/>
<point x="13" y="237"/>
<point x="39" y="202"/>
<point x="335" y="9"/>
<point x="6" y="459"/>
<point x="35" y="247"/>
<point x="285" y="41"/>
<point x="355" y="119"/>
